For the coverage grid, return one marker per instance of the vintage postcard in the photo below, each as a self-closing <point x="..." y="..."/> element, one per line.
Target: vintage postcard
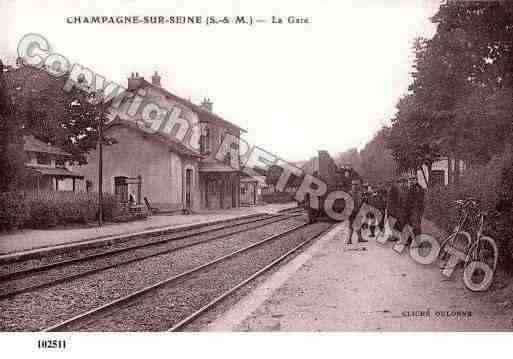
<point x="288" y="166"/>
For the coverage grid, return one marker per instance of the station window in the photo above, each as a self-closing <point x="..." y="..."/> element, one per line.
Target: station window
<point x="43" y="159"/>
<point x="205" y="141"/>
<point x="212" y="187"/>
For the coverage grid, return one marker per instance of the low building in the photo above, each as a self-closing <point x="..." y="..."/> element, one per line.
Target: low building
<point x="49" y="167"/>
<point x="443" y="172"/>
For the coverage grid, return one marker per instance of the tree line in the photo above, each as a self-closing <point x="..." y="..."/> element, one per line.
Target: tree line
<point x="459" y="104"/>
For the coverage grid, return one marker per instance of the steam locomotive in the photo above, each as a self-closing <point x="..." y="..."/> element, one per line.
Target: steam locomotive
<point x="336" y="178"/>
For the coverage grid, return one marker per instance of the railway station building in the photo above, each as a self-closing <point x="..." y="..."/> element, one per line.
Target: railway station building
<point x="173" y="168"/>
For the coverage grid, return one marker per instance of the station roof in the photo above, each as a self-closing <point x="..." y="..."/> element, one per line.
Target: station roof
<point x="55" y="172"/>
<point x="32" y="144"/>
<point x="173" y="144"/>
<point x="203" y="114"/>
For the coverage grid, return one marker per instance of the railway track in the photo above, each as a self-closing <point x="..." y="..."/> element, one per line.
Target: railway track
<point x="292" y="209"/>
<point x="214" y="302"/>
<point x="44" y="276"/>
<point x="195" y="284"/>
<point x="21" y="267"/>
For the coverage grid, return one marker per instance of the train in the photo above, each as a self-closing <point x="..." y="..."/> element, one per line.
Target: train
<point x="336" y="178"/>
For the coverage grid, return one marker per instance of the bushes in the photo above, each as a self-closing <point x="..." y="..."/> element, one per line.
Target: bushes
<point x="493" y="186"/>
<point x="111" y="207"/>
<point x="14" y="210"/>
<point x="48" y="209"/>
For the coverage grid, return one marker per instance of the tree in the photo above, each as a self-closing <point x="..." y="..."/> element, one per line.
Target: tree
<point x="414" y="138"/>
<point x="458" y="102"/>
<point x="12" y="160"/>
<point x="68" y="120"/>
<point x="377" y="163"/>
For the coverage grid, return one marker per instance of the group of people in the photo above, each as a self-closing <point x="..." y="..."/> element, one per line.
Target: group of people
<point x="402" y="199"/>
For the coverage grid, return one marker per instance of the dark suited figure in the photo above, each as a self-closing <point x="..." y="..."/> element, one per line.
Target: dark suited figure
<point x="312" y="213"/>
<point x="415" y="204"/>
<point x="382" y="191"/>
<point x="346" y="180"/>
<point x="378" y="201"/>
<point x="366" y="196"/>
<point x="404" y="208"/>
<point x="395" y="201"/>
<point x="357" y="196"/>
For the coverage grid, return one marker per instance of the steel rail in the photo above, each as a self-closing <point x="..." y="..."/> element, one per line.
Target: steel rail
<point x="28" y="271"/>
<point x="113" y="304"/>
<point x="213" y="303"/>
<point x="85" y="273"/>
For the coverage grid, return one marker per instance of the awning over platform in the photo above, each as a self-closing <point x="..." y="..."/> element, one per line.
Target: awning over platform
<point x="55" y="172"/>
<point x="215" y="167"/>
<point x="254" y="179"/>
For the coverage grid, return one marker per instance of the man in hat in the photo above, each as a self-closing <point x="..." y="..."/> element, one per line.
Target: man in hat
<point x="357" y="196"/>
<point x="345" y="179"/>
<point x="367" y="198"/>
<point x="378" y="201"/>
<point x="415" y="204"/>
<point x="394" y="204"/>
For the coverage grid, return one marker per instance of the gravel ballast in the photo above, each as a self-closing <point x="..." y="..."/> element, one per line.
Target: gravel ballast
<point x="80" y="268"/>
<point x="18" y="265"/>
<point x="45" y="307"/>
<point x="166" y="306"/>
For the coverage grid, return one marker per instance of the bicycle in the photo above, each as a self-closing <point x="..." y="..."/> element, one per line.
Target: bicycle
<point x="482" y="254"/>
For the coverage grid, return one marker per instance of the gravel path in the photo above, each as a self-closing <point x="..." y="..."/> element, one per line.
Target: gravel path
<point x="343" y="287"/>
<point x="36" y="310"/>
<point x="166" y="306"/>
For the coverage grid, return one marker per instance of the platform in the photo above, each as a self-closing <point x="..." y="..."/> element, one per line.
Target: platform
<point x="30" y="242"/>
<point x="333" y="286"/>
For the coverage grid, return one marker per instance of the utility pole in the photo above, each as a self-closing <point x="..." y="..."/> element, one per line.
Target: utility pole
<point x="100" y="158"/>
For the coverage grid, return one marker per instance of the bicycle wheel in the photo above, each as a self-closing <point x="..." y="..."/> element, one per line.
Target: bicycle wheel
<point x="454" y="240"/>
<point x="480" y="265"/>
<point x="443" y="244"/>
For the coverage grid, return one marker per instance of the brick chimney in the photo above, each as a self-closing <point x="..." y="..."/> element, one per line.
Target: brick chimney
<point x="134" y="82"/>
<point x="207" y="104"/>
<point x="155" y="79"/>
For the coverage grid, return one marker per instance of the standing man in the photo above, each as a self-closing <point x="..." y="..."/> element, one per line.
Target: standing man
<point x="393" y="203"/>
<point x="404" y="199"/>
<point x="378" y="201"/>
<point x="415" y="204"/>
<point x="356" y="195"/>
<point x="367" y="198"/>
<point x="346" y="179"/>
<point x="312" y="213"/>
<point x="131" y="199"/>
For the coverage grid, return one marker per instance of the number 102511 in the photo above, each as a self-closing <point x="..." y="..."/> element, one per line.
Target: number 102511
<point x="51" y="344"/>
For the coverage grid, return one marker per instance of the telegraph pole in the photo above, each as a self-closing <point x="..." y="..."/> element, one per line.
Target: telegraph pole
<point x="100" y="160"/>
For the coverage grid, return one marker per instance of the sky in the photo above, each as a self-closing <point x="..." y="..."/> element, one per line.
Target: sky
<point x="296" y="88"/>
